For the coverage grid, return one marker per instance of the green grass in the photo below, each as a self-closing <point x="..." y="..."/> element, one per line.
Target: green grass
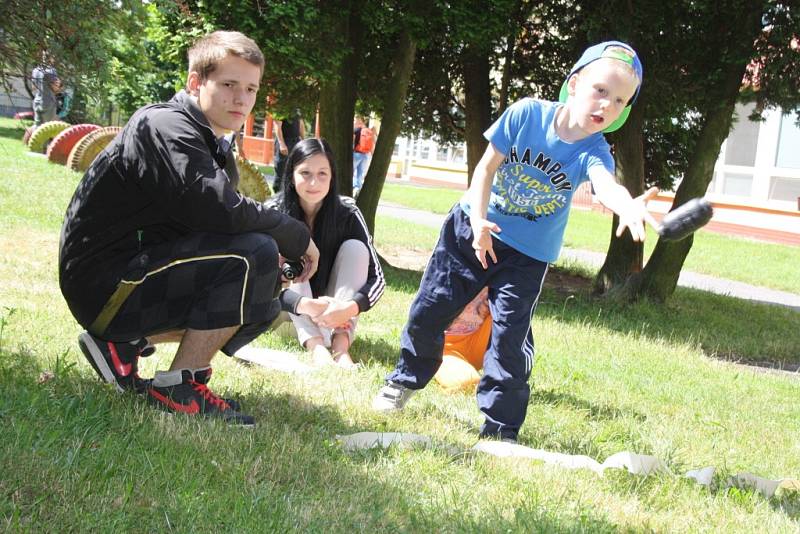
<point x="76" y="456"/>
<point x="761" y="264"/>
<point x="434" y="199"/>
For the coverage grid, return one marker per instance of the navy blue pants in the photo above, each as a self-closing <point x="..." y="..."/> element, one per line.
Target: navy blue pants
<point x="452" y="279"/>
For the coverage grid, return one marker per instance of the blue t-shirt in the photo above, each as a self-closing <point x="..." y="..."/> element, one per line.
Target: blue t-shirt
<point x="532" y="189"/>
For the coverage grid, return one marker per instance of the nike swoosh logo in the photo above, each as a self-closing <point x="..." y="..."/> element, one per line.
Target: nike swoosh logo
<point x="192" y="407"/>
<point x="123" y="369"/>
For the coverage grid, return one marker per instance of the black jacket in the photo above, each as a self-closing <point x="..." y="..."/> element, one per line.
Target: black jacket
<point x="163" y="177"/>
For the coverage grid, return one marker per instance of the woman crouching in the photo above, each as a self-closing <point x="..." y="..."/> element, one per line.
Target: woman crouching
<point x="349" y="276"/>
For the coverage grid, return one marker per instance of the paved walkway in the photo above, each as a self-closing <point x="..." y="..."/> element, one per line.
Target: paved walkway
<point x="595" y="259"/>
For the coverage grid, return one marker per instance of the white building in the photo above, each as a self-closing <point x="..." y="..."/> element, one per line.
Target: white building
<point x="14" y="98"/>
<point x="759" y="164"/>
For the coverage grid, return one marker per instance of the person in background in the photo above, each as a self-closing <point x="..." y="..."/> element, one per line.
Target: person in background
<point x="363" y="147"/>
<point x="45" y="86"/>
<point x="288" y="133"/>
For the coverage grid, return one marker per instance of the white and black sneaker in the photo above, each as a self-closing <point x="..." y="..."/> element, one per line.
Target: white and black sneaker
<point x="392" y="397"/>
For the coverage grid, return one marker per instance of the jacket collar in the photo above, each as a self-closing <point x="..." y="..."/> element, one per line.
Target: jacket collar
<point x="220" y="148"/>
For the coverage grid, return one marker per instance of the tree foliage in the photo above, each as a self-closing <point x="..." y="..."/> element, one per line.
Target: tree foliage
<point x="78" y="37"/>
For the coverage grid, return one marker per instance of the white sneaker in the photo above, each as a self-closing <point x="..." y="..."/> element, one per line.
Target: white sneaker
<point x="392" y="397"/>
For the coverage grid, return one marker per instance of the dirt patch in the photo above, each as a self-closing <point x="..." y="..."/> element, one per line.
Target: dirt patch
<point x="404" y="258"/>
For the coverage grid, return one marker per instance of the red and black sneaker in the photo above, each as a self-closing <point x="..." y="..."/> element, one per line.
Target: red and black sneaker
<point x="204" y="375"/>
<point x="180" y="391"/>
<point x="117" y="362"/>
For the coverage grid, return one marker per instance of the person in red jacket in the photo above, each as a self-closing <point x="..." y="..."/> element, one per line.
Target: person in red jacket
<point x="157" y="244"/>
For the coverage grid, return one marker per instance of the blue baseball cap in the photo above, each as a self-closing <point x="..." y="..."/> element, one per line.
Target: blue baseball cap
<point x="598" y="51"/>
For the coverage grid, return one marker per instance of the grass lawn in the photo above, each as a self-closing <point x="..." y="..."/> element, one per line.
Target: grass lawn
<point x="76" y="456"/>
<point x="761" y="264"/>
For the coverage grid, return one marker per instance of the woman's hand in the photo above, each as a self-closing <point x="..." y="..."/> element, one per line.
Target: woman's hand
<point x="310" y="262"/>
<point x="311" y="307"/>
<point x="337" y="314"/>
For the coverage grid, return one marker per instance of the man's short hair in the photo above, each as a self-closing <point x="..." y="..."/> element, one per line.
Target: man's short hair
<point x="208" y="51"/>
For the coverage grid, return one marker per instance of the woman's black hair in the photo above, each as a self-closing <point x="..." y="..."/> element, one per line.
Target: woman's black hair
<point x="325" y="233"/>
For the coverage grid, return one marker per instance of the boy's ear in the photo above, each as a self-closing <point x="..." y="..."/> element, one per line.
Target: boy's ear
<point x="571" y="83"/>
<point x="193" y="83"/>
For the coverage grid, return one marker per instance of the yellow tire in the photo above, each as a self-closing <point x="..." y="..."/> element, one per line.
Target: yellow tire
<point x="45" y="133"/>
<point x="251" y="181"/>
<point x="86" y="150"/>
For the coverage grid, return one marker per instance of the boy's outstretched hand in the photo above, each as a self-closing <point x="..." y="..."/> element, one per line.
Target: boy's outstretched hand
<point x="635" y="214"/>
<point x="482" y="239"/>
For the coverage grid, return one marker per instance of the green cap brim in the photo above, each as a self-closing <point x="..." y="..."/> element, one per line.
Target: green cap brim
<point x="614" y="126"/>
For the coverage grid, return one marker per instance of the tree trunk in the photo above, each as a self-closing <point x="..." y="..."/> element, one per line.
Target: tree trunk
<point x="337" y="100"/>
<point x="625" y="256"/>
<point x="660" y="275"/>
<point x="477" y="105"/>
<point x="505" y="81"/>
<point x="391" y="121"/>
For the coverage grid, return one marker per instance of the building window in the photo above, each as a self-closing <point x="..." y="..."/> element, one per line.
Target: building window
<point x="458" y="154"/>
<point x="441" y="153"/>
<point x="737" y="184"/>
<point x="788" y="156"/>
<point x="782" y="188"/>
<point x="258" y="125"/>
<point x="424" y="151"/>
<point x="743" y="139"/>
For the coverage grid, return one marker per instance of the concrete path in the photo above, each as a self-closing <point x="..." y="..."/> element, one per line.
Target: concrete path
<point x="595" y="259"/>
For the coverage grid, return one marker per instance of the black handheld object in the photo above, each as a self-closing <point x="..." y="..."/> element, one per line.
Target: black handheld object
<point x="686" y="219"/>
<point x="292" y="269"/>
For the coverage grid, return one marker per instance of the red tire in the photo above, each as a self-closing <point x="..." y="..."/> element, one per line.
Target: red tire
<point x="59" y="148"/>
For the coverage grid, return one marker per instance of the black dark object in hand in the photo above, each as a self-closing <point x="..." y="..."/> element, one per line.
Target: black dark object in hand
<point x="685" y="219"/>
<point x="292" y="269"/>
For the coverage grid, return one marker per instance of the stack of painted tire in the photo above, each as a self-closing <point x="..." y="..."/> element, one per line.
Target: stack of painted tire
<point x="59" y="148"/>
<point x="74" y="146"/>
<point x="40" y="137"/>
<point x="77" y="146"/>
<point x="89" y="146"/>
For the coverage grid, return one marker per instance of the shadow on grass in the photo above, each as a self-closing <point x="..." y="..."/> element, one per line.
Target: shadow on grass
<point x="148" y="470"/>
<point x="399" y="279"/>
<point x="597" y="412"/>
<point x="724" y="327"/>
<point x="15" y="133"/>
<point x="372" y="349"/>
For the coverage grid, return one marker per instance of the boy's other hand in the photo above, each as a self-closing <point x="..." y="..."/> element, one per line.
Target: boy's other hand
<point x="482" y="240"/>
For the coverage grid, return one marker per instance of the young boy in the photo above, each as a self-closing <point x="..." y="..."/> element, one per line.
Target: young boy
<point x="510" y="225"/>
<point x="157" y="245"/>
